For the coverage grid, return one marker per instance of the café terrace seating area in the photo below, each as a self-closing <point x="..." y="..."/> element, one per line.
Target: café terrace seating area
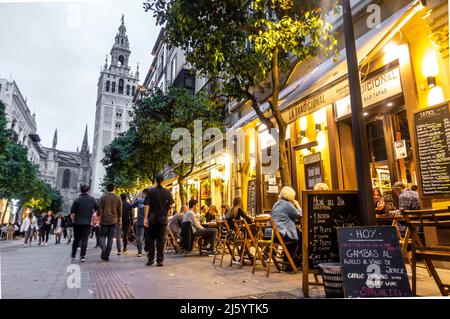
<point x="259" y="247"/>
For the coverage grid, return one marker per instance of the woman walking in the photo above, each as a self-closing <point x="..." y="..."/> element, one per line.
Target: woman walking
<point x="29" y="226"/>
<point x="59" y="225"/>
<point x="47" y="223"/>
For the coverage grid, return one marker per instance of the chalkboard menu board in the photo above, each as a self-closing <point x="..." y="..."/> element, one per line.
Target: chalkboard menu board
<point x="372" y="263"/>
<point x="433" y="149"/>
<point x="325" y="212"/>
<point x="251" y="197"/>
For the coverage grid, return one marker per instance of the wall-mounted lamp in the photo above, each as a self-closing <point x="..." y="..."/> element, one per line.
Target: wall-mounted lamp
<point x="431" y="81"/>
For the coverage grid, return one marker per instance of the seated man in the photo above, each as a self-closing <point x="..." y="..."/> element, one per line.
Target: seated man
<point x="208" y="234"/>
<point x="175" y="222"/>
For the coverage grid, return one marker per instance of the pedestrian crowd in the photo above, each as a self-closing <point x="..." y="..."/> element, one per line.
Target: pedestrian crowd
<point x="111" y="217"/>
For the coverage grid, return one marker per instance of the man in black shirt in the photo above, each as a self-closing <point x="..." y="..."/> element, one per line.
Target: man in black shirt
<point x="81" y="213"/>
<point x="158" y="203"/>
<point x="127" y="220"/>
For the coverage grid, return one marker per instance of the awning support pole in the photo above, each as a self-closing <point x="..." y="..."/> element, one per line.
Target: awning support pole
<point x="358" y="124"/>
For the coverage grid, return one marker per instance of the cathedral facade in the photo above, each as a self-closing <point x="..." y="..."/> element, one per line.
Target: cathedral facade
<point x="66" y="171"/>
<point x="116" y="87"/>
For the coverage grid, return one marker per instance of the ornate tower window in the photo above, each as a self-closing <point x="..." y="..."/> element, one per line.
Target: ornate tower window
<point x="118" y="126"/>
<point x="108" y="84"/>
<point x="128" y="89"/>
<point x="121" y="84"/>
<point x="119" y="114"/>
<point x="121" y="58"/>
<point x="66" y="179"/>
<point x="113" y="87"/>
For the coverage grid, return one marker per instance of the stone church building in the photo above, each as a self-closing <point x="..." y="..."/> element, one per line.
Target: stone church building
<point x="66" y="171"/>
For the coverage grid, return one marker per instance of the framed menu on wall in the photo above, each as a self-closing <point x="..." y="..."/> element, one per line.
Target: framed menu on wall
<point x="251" y="197"/>
<point x="432" y="127"/>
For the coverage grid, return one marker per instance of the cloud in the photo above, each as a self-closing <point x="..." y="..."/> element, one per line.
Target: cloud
<point x="54" y="51"/>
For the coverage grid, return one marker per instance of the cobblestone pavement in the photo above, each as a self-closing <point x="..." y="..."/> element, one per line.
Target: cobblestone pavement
<point x="48" y="272"/>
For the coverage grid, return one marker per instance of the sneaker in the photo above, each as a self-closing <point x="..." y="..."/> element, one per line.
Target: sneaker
<point x="211" y="254"/>
<point x="25" y="245"/>
<point x="139" y="255"/>
<point x="149" y="263"/>
<point x="119" y="253"/>
<point x="125" y="251"/>
<point x="159" y="264"/>
<point x="83" y="259"/>
<point x="45" y="244"/>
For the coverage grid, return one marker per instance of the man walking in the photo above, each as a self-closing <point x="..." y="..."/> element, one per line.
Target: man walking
<point x="158" y="203"/>
<point x="110" y="213"/>
<point x="81" y="214"/>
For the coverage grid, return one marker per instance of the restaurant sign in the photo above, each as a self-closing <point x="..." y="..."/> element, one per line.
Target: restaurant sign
<point x="373" y="90"/>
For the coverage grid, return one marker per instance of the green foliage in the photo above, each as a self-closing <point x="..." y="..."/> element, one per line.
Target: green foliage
<point x="235" y="40"/>
<point x="19" y="178"/>
<point x="248" y="44"/>
<point x="135" y="157"/>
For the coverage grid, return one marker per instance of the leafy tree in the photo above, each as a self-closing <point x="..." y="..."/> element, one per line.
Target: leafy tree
<point x="248" y="44"/>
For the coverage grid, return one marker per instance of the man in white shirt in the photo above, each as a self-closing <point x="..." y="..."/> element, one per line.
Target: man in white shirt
<point x="208" y="234"/>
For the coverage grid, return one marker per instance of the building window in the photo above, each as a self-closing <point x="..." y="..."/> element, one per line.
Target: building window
<point x="128" y="90"/>
<point x="133" y="90"/>
<point x="121" y="84"/>
<point x="161" y="62"/>
<point x="66" y="179"/>
<point x="118" y="126"/>
<point x="173" y="66"/>
<point x="113" y="89"/>
<point x="121" y="59"/>
<point x="119" y="113"/>
<point x="108" y="84"/>
<point x="0" y="88"/>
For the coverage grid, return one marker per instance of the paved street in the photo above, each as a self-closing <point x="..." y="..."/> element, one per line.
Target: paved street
<point x="43" y="272"/>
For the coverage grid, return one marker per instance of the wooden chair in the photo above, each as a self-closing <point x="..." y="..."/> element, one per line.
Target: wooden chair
<point x="241" y="242"/>
<point x="171" y="241"/>
<point x="229" y="242"/>
<point x="273" y="247"/>
<point x="440" y="219"/>
<point x="222" y="242"/>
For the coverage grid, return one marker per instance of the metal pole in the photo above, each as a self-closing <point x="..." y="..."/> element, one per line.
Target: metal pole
<point x="358" y="123"/>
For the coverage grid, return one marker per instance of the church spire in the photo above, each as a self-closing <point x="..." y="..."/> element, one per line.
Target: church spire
<point x="120" y="51"/>
<point x="55" y="138"/>
<point x="85" y="147"/>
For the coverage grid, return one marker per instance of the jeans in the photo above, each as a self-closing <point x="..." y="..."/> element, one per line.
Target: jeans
<point x="118" y="235"/>
<point x="209" y="234"/>
<point x="156" y="235"/>
<point x="69" y="234"/>
<point x="125" y="229"/>
<point x="46" y="229"/>
<point x="106" y="239"/>
<point x="29" y="235"/>
<point x="140" y="230"/>
<point x="81" y="234"/>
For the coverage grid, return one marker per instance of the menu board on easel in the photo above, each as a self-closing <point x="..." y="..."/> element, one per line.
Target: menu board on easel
<point x="323" y="213"/>
<point x="432" y="127"/>
<point x="251" y="197"/>
<point x="372" y="263"/>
